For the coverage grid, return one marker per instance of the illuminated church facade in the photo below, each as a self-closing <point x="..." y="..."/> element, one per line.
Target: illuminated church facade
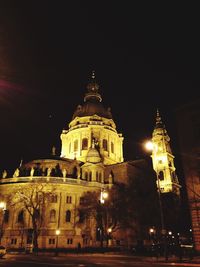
<point x="91" y="159"/>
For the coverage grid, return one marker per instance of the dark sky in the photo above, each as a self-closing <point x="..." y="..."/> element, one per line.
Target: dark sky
<point x="145" y="56"/>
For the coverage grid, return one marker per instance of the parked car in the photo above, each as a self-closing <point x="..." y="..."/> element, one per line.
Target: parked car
<point x="2" y="251"/>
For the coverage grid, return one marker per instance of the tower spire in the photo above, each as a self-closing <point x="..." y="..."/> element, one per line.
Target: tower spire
<point x="158" y="118"/>
<point x="163" y="159"/>
<point x="93" y="74"/>
<point x="159" y="123"/>
<point x="92" y="90"/>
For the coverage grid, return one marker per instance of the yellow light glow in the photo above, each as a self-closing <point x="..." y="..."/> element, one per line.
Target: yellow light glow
<point x="151" y="230"/>
<point x="105" y="195"/>
<point x="57" y="232"/>
<point x="149" y="145"/>
<point x="2" y="205"/>
<point x="109" y="230"/>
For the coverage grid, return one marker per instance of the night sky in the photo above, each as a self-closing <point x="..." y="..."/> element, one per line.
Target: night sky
<point x="145" y="57"/>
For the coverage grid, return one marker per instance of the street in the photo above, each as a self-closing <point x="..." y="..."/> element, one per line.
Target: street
<point x="88" y="260"/>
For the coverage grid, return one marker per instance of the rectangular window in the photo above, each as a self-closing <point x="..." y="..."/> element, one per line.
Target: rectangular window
<point x="84" y="144"/>
<point x="51" y="241"/>
<point x="112" y="147"/>
<point x="105" y="144"/>
<point x="69" y="241"/>
<point x="6" y="216"/>
<point x="75" y="145"/>
<point x="69" y="199"/>
<point x="13" y="241"/>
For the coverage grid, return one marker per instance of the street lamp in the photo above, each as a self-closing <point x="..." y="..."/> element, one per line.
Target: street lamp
<point x="109" y="237"/>
<point x="150" y="146"/>
<point x="3" y="208"/>
<point x="103" y="197"/>
<point x="57" y="234"/>
<point x="109" y="230"/>
<point x="152" y="232"/>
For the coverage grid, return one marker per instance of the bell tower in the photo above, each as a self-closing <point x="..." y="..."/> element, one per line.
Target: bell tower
<point x="163" y="159"/>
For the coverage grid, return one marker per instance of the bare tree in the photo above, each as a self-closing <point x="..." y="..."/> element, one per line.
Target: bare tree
<point x="131" y="208"/>
<point x="32" y="197"/>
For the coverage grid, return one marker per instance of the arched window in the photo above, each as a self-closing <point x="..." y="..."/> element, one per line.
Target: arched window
<point x="161" y="175"/>
<point x="112" y="147"/>
<point x="6" y="216"/>
<point x="90" y="176"/>
<point x="76" y="145"/>
<point x="86" y="176"/>
<point x="99" y="177"/>
<point x="20" y="218"/>
<point x="105" y="144"/>
<point x="52" y="216"/>
<point x="68" y="216"/>
<point x="84" y="144"/>
<point x="74" y="173"/>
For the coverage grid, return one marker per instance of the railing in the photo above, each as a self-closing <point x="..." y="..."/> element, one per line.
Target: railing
<point x="47" y="179"/>
<point x="86" y="125"/>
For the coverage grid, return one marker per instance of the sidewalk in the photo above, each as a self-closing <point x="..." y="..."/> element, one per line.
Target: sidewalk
<point x="174" y="259"/>
<point x="139" y="258"/>
<point x="171" y="259"/>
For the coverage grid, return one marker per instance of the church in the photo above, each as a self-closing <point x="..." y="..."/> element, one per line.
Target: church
<point x="39" y="203"/>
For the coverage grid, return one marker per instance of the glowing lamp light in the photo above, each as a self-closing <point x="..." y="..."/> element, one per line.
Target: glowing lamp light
<point x="2" y="205"/>
<point x="109" y="230"/>
<point x="57" y="232"/>
<point x="151" y="230"/>
<point x="105" y="195"/>
<point x="149" y="145"/>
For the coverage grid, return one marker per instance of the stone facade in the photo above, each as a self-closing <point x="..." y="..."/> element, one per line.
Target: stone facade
<point x="91" y="160"/>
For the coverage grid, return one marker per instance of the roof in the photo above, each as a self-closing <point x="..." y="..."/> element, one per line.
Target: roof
<point x="90" y="108"/>
<point x="92" y="102"/>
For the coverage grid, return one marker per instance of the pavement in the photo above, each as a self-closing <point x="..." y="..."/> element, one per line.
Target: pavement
<point x="171" y="259"/>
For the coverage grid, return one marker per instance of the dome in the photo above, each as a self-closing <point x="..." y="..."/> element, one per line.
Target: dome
<point x="93" y="155"/>
<point x="92" y="102"/>
<point x="90" y="108"/>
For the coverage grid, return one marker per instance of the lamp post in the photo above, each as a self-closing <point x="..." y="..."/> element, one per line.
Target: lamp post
<point x="3" y="208"/>
<point x="103" y="197"/>
<point x="153" y="147"/>
<point x="57" y="234"/>
<point x="152" y="238"/>
<point x="109" y="233"/>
